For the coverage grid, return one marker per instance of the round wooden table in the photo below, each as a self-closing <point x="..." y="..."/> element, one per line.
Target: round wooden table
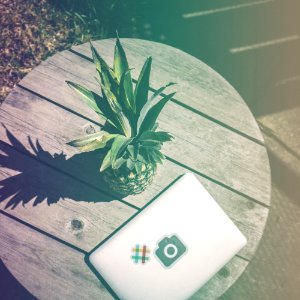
<point x="54" y="208"/>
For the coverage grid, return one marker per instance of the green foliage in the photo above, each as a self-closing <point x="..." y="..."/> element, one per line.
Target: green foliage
<point x="149" y="119"/>
<point x="92" y="141"/>
<point x="142" y="87"/>
<point x="118" y="148"/>
<point x="122" y="72"/>
<point x="90" y="98"/>
<point x="130" y="111"/>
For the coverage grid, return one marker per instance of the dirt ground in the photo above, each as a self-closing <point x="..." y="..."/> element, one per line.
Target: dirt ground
<point x="32" y="30"/>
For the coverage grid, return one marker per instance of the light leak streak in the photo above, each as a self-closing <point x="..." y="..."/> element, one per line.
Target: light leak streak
<point x="222" y="9"/>
<point x="264" y="44"/>
<point x="287" y="80"/>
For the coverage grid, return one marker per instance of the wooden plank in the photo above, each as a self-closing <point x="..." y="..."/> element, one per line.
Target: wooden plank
<point x="227" y="275"/>
<point x="59" y="118"/>
<point x="199" y="86"/>
<point x="48" y="269"/>
<point x="249" y="216"/>
<point x="56" y="203"/>
<point x="83" y="238"/>
<point x="53" y="139"/>
<point x="241" y="164"/>
<point x="46" y="217"/>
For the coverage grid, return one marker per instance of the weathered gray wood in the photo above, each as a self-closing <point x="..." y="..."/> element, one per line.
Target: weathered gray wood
<point x="198" y="85"/>
<point x="48" y="269"/>
<point x="227" y="275"/>
<point x="249" y="216"/>
<point x="89" y="236"/>
<point x="78" y="215"/>
<point x="237" y="164"/>
<point x="230" y="158"/>
<point x="56" y="219"/>
<point x="51" y="270"/>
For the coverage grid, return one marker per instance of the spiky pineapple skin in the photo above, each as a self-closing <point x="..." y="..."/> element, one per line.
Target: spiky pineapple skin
<point x="128" y="182"/>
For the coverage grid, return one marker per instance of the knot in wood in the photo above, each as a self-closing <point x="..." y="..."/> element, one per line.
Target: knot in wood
<point x="89" y="129"/>
<point x="224" y="272"/>
<point x="76" y="224"/>
<point x="250" y="205"/>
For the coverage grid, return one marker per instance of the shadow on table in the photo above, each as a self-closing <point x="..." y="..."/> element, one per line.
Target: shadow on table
<point x="10" y="288"/>
<point x="284" y="177"/>
<point x="42" y="177"/>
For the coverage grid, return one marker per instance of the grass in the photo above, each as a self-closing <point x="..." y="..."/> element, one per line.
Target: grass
<point x="32" y="30"/>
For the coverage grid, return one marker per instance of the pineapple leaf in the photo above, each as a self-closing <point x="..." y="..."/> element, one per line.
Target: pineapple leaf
<point x="144" y="155"/>
<point x="106" y="161"/>
<point x="122" y="121"/>
<point x="148" y="120"/>
<point x="130" y="164"/>
<point x="114" y="104"/>
<point x="151" y="144"/>
<point x="95" y="102"/>
<point x="159" y="136"/>
<point x="149" y="103"/>
<point x="142" y="87"/>
<point x="109" y="105"/>
<point x="98" y="60"/>
<point x="96" y="144"/>
<point x="106" y="73"/>
<point x="92" y="141"/>
<point x="90" y="98"/>
<point x="160" y="90"/>
<point x="138" y="167"/>
<point x="154" y="127"/>
<point x="119" y="162"/>
<point x="142" y="159"/>
<point x="123" y="96"/>
<point x="118" y="146"/>
<point x="121" y="67"/>
<point x="157" y="156"/>
<point x="151" y="156"/>
<point x="133" y="151"/>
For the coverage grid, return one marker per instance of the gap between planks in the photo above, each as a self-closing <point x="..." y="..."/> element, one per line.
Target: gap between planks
<point x="49" y="235"/>
<point x="71" y="176"/>
<point x="57" y="266"/>
<point x="196" y="111"/>
<point x="84" y="52"/>
<point x="227" y="199"/>
<point x="74" y="247"/>
<point x="167" y="157"/>
<point x="47" y="270"/>
<point x="61" y="106"/>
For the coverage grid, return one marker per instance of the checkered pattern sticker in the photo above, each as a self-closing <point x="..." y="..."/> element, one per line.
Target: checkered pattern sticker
<point x="140" y="254"/>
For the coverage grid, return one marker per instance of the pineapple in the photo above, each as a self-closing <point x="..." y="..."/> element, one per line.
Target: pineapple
<point x="129" y="140"/>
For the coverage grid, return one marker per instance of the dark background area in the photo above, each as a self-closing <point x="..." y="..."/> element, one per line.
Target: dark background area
<point x="255" y="45"/>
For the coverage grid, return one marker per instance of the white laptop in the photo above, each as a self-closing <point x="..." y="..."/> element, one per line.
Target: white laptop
<point x="171" y="248"/>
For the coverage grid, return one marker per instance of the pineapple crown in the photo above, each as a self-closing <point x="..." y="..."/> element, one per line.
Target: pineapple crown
<point x="133" y="139"/>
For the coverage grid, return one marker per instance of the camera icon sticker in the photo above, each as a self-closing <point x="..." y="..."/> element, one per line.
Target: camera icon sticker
<point x="169" y="250"/>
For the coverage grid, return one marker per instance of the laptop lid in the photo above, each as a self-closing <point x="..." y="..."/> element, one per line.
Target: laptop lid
<point x="171" y="248"/>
